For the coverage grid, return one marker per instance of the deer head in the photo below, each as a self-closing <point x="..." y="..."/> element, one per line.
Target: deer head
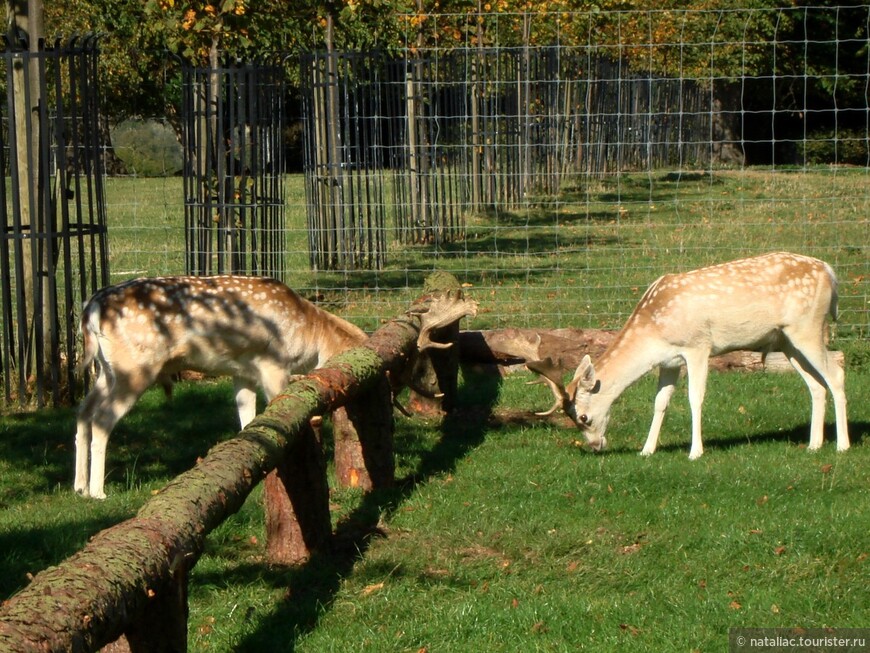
<point x="575" y="398"/>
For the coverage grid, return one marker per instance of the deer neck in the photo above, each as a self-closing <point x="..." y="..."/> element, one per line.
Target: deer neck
<point x="629" y="357"/>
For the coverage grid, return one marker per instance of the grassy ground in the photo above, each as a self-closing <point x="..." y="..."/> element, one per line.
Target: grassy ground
<point x="503" y="534"/>
<point x="580" y="260"/>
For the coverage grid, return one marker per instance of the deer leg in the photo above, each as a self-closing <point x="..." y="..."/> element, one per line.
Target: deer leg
<point x="106" y="417"/>
<point x="813" y="364"/>
<point x="668" y="377"/>
<point x="96" y="397"/>
<point x="697" y="365"/>
<point x="246" y="401"/>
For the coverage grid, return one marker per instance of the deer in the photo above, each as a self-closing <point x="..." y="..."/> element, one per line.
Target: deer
<point x="774" y="302"/>
<point x="254" y="329"/>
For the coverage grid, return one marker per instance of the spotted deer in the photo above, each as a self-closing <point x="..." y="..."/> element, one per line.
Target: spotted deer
<point x="256" y="330"/>
<point x="774" y="302"/>
<point x="143" y="331"/>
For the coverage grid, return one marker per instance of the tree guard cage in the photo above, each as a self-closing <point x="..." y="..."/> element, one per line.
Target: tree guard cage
<point x="233" y="120"/>
<point x="345" y="114"/>
<point x="421" y="143"/>
<point x="54" y="240"/>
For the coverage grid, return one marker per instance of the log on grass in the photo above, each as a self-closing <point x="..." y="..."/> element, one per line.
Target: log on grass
<point x="566" y="347"/>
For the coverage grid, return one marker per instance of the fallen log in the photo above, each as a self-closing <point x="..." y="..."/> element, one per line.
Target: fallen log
<point x="566" y="347"/>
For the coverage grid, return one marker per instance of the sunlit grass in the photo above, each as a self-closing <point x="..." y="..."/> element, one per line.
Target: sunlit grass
<point x="573" y="260"/>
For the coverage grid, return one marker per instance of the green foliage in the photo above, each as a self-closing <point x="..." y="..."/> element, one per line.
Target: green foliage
<point x="764" y="37"/>
<point x="842" y="147"/>
<point x="148" y="148"/>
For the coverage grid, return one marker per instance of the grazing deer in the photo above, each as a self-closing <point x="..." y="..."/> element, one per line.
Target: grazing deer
<point x="773" y="302"/>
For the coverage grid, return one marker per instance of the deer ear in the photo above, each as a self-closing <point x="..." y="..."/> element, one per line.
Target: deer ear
<point x="584" y="376"/>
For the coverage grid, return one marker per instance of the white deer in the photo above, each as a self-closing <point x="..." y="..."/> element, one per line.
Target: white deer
<point x="773" y="302"/>
<point x="256" y="330"/>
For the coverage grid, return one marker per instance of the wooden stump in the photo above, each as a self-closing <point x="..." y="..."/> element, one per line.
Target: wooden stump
<point x="363" y="434"/>
<point x="438" y="369"/>
<point x="297" y="502"/>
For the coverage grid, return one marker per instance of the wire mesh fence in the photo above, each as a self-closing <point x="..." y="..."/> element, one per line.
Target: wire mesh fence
<point x="606" y="148"/>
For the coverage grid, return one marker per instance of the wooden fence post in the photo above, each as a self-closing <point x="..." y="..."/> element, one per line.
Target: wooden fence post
<point x="439" y="369"/>
<point x="363" y="432"/>
<point x="297" y="501"/>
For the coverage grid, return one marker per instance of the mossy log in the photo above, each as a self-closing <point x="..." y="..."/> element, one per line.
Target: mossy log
<point x="135" y="573"/>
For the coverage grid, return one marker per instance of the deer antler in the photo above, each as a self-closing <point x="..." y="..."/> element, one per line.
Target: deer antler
<point x="440" y="312"/>
<point x="552" y="376"/>
<point x="527" y="351"/>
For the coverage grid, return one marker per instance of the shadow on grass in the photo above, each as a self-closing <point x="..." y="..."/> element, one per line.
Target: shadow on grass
<point x="797" y="436"/>
<point x="158" y="440"/>
<point x="312" y="587"/>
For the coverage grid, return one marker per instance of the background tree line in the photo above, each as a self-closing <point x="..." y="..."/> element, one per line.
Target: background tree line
<point x="817" y="65"/>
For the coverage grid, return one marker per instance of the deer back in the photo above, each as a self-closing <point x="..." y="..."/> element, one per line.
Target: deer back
<point x="217" y="325"/>
<point x="742" y="304"/>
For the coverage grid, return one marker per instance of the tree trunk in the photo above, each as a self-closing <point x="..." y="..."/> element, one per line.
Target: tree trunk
<point x="363" y="431"/>
<point x="297" y="502"/>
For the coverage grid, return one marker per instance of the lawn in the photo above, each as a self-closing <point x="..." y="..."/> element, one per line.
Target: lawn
<point x="581" y="259"/>
<point x="504" y="533"/>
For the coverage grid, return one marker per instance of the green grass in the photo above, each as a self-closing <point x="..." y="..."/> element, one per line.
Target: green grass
<point x="503" y="534"/>
<point x="578" y="260"/>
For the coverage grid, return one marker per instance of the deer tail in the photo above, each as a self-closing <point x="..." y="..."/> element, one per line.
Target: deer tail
<point x="90" y="328"/>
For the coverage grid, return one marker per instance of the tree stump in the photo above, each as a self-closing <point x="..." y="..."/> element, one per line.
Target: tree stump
<point x="297" y="501"/>
<point x="438" y="368"/>
<point x="363" y="433"/>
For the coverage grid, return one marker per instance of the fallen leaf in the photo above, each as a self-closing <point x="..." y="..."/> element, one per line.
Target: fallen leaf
<point x="515" y="603"/>
<point x="632" y="629"/>
<point x="762" y="500"/>
<point x="371" y="589"/>
<point x="572" y="566"/>
<point x="826" y="468"/>
<point x="774" y="608"/>
<point x="631" y="548"/>
<point x="755" y="531"/>
<point x="734" y="605"/>
<point x="779" y="550"/>
<point x="702" y="583"/>
<point x="539" y="627"/>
